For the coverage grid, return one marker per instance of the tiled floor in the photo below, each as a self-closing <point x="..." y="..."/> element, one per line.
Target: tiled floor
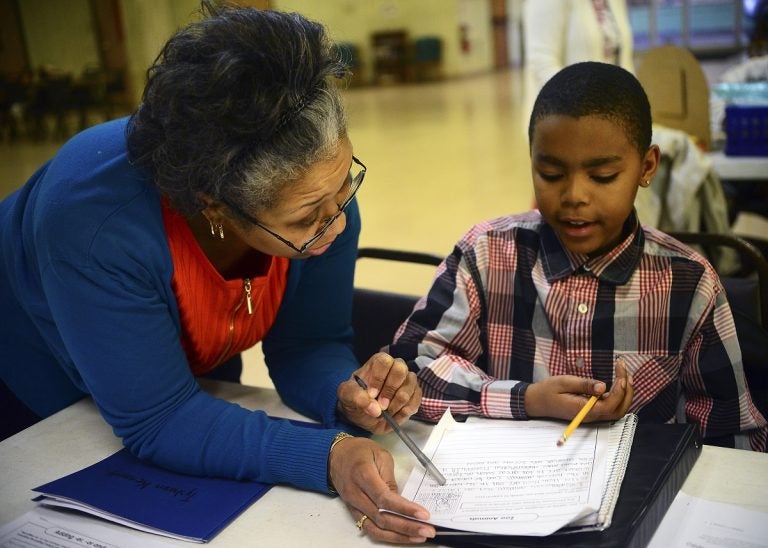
<point x="440" y="157"/>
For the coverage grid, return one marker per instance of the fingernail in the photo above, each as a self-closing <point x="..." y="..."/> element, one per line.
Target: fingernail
<point x="373" y="392"/>
<point x="597" y="386"/>
<point x="623" y="384"/>
<point x="630" y="380"/>
<point x="426" y="533"/>
<point x="384" y="402"/>
<point x="421" y="514"/>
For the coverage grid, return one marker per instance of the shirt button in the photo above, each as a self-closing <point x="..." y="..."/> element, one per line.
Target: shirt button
<point x="579" y="362"/>
<point x="582" y="308"/>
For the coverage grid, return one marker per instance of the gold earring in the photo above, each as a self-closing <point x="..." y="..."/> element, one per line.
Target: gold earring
<point x="645" y="184"/>
<point x="216" y="229"/>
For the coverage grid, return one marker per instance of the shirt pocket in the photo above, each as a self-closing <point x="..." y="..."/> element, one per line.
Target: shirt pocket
<point x="652" y="375"/>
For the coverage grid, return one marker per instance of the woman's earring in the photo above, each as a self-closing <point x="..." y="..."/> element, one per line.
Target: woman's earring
<point x="216" y="228"/>
<point x="645" y="183"/>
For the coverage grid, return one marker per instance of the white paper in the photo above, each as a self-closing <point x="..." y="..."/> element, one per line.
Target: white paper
<point x="696" y="522"/>
<point x="50" y="529"/>
<point x="510" y="477"/>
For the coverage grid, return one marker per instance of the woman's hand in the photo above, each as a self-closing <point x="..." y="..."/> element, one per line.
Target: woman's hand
<point x="390" y="386"/>
<point x="562" y="396"/>
<point x="362" y="473"/>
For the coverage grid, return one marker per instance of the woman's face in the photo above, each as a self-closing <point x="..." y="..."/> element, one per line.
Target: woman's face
<point x="303" y="210"/>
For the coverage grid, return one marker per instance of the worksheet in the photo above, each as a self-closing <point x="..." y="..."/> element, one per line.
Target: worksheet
<point x="53" y="529"/>
<point x="510" y="477"/>
<point x="693" y="521"/>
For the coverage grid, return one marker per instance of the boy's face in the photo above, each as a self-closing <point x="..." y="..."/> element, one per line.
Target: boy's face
<point x="585" y="176"/>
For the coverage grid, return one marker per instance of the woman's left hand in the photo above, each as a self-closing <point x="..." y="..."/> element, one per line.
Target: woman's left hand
<point x="363" y="474"/>
<point x="390" y="386"/>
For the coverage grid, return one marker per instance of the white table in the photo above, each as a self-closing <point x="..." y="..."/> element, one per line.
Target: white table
<point x="77" y="437"/>
<point x="740" y="168"/>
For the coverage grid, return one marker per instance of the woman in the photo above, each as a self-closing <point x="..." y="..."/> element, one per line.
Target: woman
<point x="559" y="33"/>
<point x="154" y="249"/>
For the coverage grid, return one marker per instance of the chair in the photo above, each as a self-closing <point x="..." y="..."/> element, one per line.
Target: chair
<point x="376" y="315"/>
<point x="677" y="90"/>
<point x="747" y="293"/>
<point x="427" y="58"/>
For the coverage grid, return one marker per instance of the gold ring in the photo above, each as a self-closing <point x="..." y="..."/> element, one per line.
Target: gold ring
<point x="360" y="522"/>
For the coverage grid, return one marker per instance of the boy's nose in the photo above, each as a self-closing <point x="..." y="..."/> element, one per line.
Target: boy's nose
<point x="575" y="191"/>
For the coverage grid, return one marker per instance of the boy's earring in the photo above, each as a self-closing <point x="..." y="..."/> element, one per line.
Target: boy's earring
<point x="220" y="228"/>
<point x="213" y="229"/>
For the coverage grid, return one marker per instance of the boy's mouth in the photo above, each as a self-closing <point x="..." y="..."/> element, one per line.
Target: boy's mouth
<point x="577" y="228"/>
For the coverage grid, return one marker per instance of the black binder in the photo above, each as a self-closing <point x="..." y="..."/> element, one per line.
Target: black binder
<point x="662" y="455"/>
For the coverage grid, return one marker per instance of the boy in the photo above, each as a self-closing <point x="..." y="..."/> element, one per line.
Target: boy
<point x="533" y="313"/>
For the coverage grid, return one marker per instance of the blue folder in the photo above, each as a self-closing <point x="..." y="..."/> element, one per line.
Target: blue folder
<point x="151" y="498"/>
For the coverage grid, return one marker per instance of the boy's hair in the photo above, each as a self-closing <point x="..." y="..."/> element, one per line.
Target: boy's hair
<point x="597" y="89"/>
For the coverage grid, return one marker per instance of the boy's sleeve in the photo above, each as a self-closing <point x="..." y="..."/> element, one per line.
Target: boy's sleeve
<point x="444" y="343"/>
<point x="716" y="393"/>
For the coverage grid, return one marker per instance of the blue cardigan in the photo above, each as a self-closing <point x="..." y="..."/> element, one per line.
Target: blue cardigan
<point x="87" y="305"/>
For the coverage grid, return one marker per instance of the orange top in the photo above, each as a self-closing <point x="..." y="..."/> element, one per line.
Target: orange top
<point x="215" y="319"/>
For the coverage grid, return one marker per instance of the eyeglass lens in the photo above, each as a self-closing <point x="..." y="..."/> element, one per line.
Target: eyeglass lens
<point x="354" y="185"/>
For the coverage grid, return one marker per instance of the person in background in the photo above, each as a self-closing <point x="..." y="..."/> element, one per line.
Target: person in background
<point x="154" y="249"/>
<point x="531" y="314"/>
<point x="558" y="33"/>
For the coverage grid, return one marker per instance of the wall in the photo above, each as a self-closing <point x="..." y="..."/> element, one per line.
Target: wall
<point x="59" y="34"/>
<point x="354" y="21"/>
<point x="148" y="25"/>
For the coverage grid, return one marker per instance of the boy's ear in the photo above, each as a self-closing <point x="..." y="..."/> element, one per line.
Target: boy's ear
<point x="650" y="163"/>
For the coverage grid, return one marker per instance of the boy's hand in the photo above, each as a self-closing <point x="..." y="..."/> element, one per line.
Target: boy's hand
<point x="562" y="396"/>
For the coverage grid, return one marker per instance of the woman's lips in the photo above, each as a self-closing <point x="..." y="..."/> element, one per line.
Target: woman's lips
<point x="314" y="252"/>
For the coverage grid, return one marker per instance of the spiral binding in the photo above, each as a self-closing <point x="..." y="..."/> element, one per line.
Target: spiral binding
<point x="616" y="472"/>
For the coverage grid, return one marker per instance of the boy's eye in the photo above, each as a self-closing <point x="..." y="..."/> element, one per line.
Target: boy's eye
<point x="551" y="177"/>
<point x="604" y="179"/>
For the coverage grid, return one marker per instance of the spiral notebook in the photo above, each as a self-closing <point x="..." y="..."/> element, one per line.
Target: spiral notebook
<point x="510" y="477"/>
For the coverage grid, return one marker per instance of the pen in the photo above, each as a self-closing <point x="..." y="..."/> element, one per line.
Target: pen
<point x="423" y="459"/>
<point x="577" y="419"/>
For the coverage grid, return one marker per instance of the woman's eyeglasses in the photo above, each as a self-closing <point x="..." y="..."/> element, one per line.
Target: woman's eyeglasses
<point x="355" y="181"/>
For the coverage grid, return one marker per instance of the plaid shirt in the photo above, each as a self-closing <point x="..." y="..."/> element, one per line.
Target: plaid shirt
<point x="511" y="306"/>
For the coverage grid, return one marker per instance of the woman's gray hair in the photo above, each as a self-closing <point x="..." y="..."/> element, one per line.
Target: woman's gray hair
<point x="236" y="107"/>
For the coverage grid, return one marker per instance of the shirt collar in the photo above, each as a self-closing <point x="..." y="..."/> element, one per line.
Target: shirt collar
<point x="615" y="266"/>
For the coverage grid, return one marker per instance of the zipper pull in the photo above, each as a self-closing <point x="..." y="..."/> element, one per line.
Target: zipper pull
<point x="247" y="285"/>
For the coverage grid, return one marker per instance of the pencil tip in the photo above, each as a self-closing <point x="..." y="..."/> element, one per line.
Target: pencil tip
<point x="561" y="441"/>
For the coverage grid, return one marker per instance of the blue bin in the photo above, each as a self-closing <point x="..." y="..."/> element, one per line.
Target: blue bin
<point x="746" y="130"/>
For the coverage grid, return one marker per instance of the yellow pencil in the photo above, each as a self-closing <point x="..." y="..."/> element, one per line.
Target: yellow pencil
<point x="577" y="419"/>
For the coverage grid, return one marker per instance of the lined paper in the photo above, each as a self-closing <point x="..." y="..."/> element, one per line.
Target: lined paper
<point x="510" y="477"/>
